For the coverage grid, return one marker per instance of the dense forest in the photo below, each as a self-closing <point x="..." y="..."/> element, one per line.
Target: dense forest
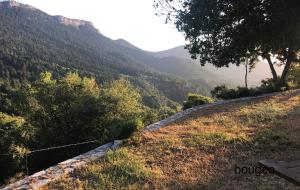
<point x="63" y="82"/>
<point x="68" y="110"/>
<point x="33" y="42"/>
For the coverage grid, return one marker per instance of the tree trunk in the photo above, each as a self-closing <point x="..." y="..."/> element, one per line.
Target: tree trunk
<point x="275" y="77"/>
<point x="287" y="67"/>
<point x="246" y="74"/>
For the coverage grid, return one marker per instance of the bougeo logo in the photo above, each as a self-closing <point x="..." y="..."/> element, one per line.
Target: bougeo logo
<point x="256" y="170"/>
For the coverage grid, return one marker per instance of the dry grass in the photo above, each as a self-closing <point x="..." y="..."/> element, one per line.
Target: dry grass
<point x="201" y="151"/>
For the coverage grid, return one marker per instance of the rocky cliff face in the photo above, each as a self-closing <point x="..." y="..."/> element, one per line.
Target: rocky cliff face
<point x="73" y="22"/>
<point x="10" y="4"/>
<point x="61" y="19"/>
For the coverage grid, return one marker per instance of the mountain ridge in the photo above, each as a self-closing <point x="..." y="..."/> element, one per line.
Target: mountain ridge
<point x="175" y="64"/>
<point x="33" y="42"/>
<point x="231" y="73"/>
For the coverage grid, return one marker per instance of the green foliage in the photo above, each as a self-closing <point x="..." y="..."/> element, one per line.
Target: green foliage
<point x="124" y="129"/>
<point x="195" y="100"/>
<point x="208" y="141"/>
<point x="272" y="141"/>
<point x="122" y="169"/>
<point x="226" y="32"/>
<point x="14" y="136"/>
<point x="222" y="92"/>
<point x="265" y="114"/>
<point x="64" y="111"/>
<point x="6" y="99"/>
<point x="119" y="169"/>
<point x="123" y="100"/>
<point x="65" y="106"/>
<point x="126" y="163"/>
<point x="267" y="86"/>
<point x="26" y="51"/>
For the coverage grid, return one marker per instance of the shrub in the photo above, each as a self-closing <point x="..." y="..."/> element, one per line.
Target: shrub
<point x="14" y="134"/>
<point x="196" y="99"/>
<point x="222" y="92"/>
<point x="267" y="86"/>
<point x="65" y="111"/>
<point x="124" y="129"/>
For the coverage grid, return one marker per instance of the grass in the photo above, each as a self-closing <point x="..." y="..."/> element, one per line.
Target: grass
<point x="208" y="141"/>
<point x="265" y="113"/>
<point x="201" y="151"/>
<point x="120" y="169"/>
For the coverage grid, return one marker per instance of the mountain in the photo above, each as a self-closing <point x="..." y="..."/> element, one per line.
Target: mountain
<point x="178" y="51"/>
<point x="232" y="75"/>
<point x="33" y="41"/>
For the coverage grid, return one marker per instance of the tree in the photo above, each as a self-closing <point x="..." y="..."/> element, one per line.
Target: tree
<point x="222" y="32"/>
<point x="246" y="72"/>
<point x="52" y="112"/>
<point x="122" y="100"/>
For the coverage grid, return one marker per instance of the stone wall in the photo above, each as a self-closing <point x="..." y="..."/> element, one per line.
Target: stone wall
<point x="42" y="178"/>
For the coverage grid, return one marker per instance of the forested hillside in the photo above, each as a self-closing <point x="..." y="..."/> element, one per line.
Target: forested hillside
<point x="63" y="82"/>
<point x="71" y="109"/>
<point x="232" y="75"/>
<point x="33" y="41"/>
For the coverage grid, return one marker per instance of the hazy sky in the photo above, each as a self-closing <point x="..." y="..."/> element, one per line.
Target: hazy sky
<point x="132" y="20"/>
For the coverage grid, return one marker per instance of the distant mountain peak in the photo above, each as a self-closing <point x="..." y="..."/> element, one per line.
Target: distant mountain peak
<point x="73" y="22"/>
<point x="125" y="43"/>
<point x="11" y="4"/>
<point x="61" y="19"/>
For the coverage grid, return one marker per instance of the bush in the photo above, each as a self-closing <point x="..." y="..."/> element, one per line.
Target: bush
<point x="72" y="109"/>
<point x="125" y="129"/>
<point x="195" y="100"/>
<point x="267" y="86"/>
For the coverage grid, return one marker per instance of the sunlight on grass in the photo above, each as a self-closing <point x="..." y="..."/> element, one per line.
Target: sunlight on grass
<point x="268" y="141"/>
<point x="119" y="169"/>
<point x="199" y="152"/>
<point x="208" y="141"/>
<point x="265" y="113"/>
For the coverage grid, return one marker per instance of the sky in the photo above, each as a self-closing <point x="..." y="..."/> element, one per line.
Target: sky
<point x="132" y="20"/>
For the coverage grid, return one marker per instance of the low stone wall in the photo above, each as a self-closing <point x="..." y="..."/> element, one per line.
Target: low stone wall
<point x="186" y="112"/>
<point x="42" y="178"/>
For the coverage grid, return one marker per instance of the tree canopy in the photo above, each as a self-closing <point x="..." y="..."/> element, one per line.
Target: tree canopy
<point x="53" y="112"/>
<point x="224" y="32"/>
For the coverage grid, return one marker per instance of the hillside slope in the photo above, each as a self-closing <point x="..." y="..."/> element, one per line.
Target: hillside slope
<point x="201" y="151"/>
<point x="232" y="75"/>
<point x="33" y="41"/>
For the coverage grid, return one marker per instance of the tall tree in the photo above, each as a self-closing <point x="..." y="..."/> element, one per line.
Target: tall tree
<point x="221" y="32"/>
